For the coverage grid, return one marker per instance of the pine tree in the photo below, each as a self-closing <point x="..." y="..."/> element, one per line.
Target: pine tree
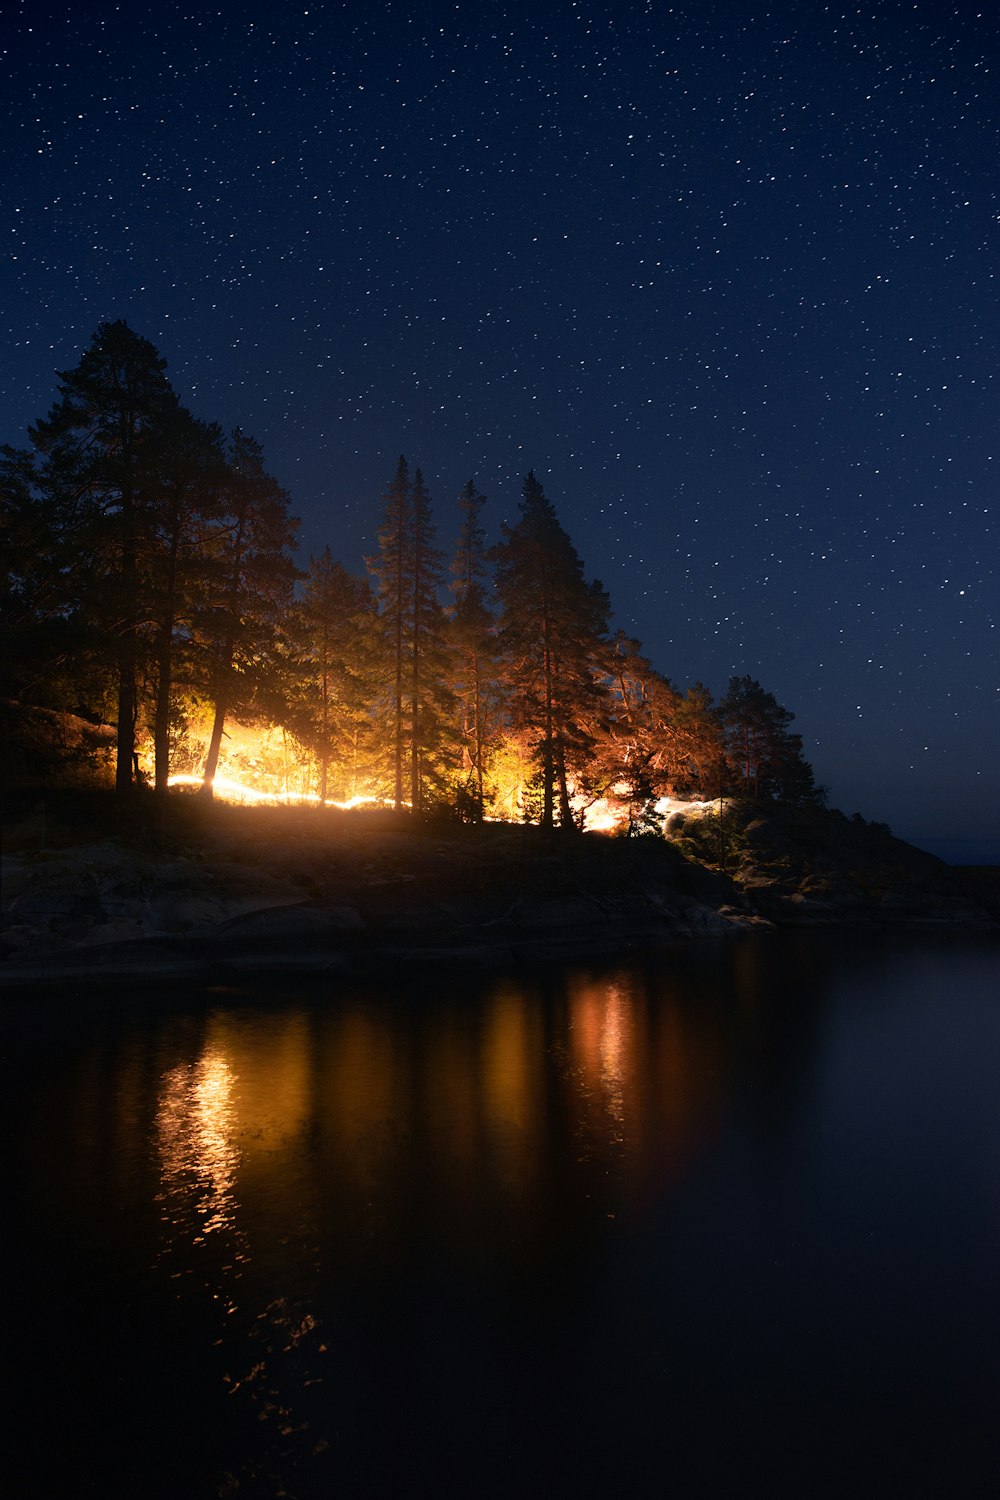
<point x="554" y="637"/>
<point x="191" y="509"/>
<point x="631" y="760"/>
<point x="407" y="570"/>
<point x="35" y="611"/>
<point x="101" y="458"/>
<point x="252" y="589"/>
<point x="335" y="634"/>
<point x="698" y="763"/>
<point x="474" y="649"/>
<point x="765" y="756"/>
<point x="429" y="694"/>
<point x="390" y="568"/>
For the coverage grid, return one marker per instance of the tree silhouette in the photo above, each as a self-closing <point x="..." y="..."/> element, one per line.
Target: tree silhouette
<point x="407" y="570"/>
<point x="765" y="756"/>
<point x="335" y="634"/>
<point x="554" y="639"/>
<point x="101" y="452"/>
<point x="253" y="581"/>
<point x="474" y="649"/>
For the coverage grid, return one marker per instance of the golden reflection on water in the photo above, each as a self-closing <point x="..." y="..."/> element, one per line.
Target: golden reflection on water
<point x="196" y="1136"/>
<point x="601" y="1044"/>
<point x="511" y="1063"/>
<point x="355" y="1094"/>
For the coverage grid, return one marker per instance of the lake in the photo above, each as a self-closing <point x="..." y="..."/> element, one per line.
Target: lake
<point x="719" y="1220"/>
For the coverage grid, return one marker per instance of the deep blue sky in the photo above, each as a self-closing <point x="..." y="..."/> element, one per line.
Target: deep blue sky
<point x="724" y="274"/>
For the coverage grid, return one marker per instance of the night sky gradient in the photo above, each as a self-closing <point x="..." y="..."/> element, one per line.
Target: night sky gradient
<point x="725" y="275"/>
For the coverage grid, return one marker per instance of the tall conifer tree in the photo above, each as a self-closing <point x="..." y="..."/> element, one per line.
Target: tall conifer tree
<point x="474" y="646"/>
<point x="185" y="534"/>
<point x="101" y="452"/>
<point x="254" y="577"/>
<point x="335" y="639"/>
<point x="429" y="692"/>
<point x="554" y="631"/>
<point x="407" y="570"/>
<point x="765" y="755"/>
<point x="390" y="568"/>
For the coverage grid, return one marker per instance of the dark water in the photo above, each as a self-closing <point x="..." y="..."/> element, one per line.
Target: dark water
<point x="722" y="1223"/>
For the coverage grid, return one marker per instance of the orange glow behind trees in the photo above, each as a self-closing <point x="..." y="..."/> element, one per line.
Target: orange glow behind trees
<point x="158" y="564"/>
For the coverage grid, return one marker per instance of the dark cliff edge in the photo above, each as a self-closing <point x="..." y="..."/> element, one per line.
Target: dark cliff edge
<point x="234" y="893"/>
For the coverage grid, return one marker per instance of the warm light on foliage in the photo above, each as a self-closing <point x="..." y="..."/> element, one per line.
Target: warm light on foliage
<point x="257" y="764"/>
<point x="186" y="625"/>
<point x="264" y="767"/>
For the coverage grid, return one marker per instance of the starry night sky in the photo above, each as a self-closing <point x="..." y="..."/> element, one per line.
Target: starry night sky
<point x="726" y="275"/>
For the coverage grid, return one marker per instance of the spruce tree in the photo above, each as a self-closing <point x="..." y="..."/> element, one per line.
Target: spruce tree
<point x="554" y="630"/>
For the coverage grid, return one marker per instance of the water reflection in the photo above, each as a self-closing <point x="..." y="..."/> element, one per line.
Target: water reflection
<point x="223" y="1120"/>
<point x="601" y="1039"/>
<point x="457" y="1231"/>
<point x="196" y="1135"/>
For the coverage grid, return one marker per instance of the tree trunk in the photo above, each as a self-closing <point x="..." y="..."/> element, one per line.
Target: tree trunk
<point x="127" y="652"/>
<point x="477" y="726"/>
<point x="548" y="768"/>
<point x="415" y="788"/>
<point x="164" y="658"/>
<point x="126" y="715"/>
<point x="398" y="790"/>
<point x="218" y="725"/>
<point x="324" y="741"/>
<point x="161" y="723"/>
<point x="565" y="811"/>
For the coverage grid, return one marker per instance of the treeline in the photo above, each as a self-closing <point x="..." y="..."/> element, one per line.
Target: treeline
<point x="149" y="578"/>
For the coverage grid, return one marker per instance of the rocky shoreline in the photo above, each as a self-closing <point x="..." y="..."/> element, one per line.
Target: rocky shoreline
<point x="262" y="895"/>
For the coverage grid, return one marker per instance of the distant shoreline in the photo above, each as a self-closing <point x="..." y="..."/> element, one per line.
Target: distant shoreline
<point x="959" y="851"/>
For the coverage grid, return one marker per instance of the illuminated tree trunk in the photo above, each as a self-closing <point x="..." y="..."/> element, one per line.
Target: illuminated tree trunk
<point x="192" y="508"/>
<point x="474" y="648"/>
<point x="548" y="767"/>
<point x="324" y="759"/>
<point x="215" y="741"/>
<point x="127" y="652"/>
<point x="416" y="645"/>
<point x="406" y="570"/>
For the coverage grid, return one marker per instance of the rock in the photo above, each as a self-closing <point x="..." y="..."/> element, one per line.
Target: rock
<point x="291" y="921"/>
<point x="558" y="912"/>
<point x="118" y="930"/>
<point x="183" y="913"/>
<point x="371" y="900"/>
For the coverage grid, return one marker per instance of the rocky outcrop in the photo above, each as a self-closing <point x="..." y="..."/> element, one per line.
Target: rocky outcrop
<point x="100" y="909"/>
<point x="813" y="867"/>
<point x="259" y="894"/>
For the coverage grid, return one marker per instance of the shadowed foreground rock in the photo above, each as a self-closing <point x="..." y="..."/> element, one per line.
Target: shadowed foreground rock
<point x="256" y="891"/>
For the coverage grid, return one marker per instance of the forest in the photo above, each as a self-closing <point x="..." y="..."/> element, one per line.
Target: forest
<point x="150" y="591"/>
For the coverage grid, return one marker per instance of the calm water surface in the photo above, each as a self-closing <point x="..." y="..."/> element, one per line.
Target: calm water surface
<point x="722" y="1222"/>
